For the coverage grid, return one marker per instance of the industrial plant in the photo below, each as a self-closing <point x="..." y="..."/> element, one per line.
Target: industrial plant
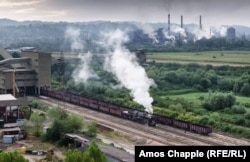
<point x="195" y="32"/>
<point x="20" y="77"/>
<point x="25" y="75"/>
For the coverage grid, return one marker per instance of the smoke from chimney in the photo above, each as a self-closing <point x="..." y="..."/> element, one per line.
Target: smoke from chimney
<point x="200" y="23"/>
<point x="181" y="21"/>
<point x="168" y="24"/>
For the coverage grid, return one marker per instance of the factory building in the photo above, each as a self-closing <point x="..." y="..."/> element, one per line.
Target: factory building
<point x="25" y="75"/>
<point x="141" y="56"/>
<point x="42" y="64"/>
<point x="231" y="33"/>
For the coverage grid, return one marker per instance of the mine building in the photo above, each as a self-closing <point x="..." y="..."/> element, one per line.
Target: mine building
<point x="25" y="75"/>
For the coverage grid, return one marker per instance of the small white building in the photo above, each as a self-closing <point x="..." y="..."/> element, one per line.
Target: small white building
<point x="8" y="97"/>
<point x="9" y="107"/>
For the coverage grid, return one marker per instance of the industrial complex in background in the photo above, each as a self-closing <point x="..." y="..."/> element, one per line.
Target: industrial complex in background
<point x="182" y="32"/>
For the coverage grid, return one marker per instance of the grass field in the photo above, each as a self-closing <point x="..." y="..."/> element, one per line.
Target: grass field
<point x="194" y="97"/>
<point x="231" y="57"/>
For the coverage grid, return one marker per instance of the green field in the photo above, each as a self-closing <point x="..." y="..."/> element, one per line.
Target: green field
<point x="232" y="57"/>
<point x="197" y="95"/>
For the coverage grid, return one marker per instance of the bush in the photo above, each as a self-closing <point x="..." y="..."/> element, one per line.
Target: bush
<point x="239" y="109"/>
<point x="240" y="121"/>
<point x="12" y="157"/>
<point x="204" y="120"/>
<point x="247" y="116"/>
<point x="38" y="105"/>
<point x="218" y="101"/>
<point x="227" y="128"/>
<point x="228" y="110"/>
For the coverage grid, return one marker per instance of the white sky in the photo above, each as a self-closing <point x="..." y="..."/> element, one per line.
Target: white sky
<point x="214" y="12"/>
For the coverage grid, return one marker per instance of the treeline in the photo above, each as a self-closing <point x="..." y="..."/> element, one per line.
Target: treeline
<point x="212" y="44"/>
<point x="202" y="78"/>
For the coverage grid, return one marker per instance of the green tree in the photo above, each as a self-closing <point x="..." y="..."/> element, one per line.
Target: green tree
<point x="94" y="154"/>
<point x="12" y="157"/>
<point x="230" y="100"/>
<point x="57" y="113"/>
<point x="92" y="130"/>
<point x="216" y="101"/>
<point x="91" y="154"/>
<point x="211" y="75"/>
<point x="37" y="121"/>
<point x="74" y="156"/>
<point x="245" y="90"/>
<point x="205" y="83"/>
<point x="15" y="55"/>
<point x="54" y="133"/>
<point x="73" y="123"/>
<point x="225" y="84"/>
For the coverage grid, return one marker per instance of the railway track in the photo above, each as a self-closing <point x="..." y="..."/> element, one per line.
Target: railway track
<point x="215" y="139"/>
<point x="152" y="133"/>
<point x="162" y="134"/>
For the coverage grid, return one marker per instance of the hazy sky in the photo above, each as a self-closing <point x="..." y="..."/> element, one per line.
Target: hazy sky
<point x="214" y="12"/>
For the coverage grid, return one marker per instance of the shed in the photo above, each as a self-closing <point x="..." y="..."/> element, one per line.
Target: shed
<point x="8" y="139"/>
<point x="117" y="155"/>
<point x="9" y="108"/>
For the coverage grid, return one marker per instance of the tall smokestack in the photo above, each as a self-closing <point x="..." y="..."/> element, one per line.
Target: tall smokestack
<point x="181" y="21"/>
<point x="168" y="24"/>
<point x="200" y="23"/>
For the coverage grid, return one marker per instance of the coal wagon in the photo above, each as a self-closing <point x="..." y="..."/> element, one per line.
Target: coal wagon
<point x="126" y="112"/>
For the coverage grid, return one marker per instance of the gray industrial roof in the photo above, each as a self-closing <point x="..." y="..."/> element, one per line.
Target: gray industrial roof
<point x="117" y="153"/>
<point x="17" y="102"/>
<point x="4" y="53"/>
<point x="4" y="97"/>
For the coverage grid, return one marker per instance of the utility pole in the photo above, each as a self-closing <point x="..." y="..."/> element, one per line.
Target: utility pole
<point x="61" y="65"/>
<point x="13" y="82"/>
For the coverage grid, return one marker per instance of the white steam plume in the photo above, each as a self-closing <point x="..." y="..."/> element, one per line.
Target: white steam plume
<point x="178" y="29"/>
<point x="82" y="73"/>
<point x="150" y="31"/>
<point x="122" y="63"/>
<point x="73" y="34"/>
<point x="208" y="32"/>
<point x="219" y="31"/>
<point x="170" y="38"/>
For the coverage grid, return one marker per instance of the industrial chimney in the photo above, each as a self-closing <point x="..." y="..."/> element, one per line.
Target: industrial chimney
<point x="181" y="21"/>
<point x="168" y="24"/>
<point x="200" y="23"/>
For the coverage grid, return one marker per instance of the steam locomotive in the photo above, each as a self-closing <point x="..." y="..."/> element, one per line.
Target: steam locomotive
<point x="140" y="117"/>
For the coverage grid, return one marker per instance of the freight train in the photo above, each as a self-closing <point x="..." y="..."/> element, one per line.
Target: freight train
<point x="126" y="112"/>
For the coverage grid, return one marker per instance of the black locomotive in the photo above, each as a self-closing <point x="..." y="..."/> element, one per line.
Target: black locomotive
<point x="140" y="117"/>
